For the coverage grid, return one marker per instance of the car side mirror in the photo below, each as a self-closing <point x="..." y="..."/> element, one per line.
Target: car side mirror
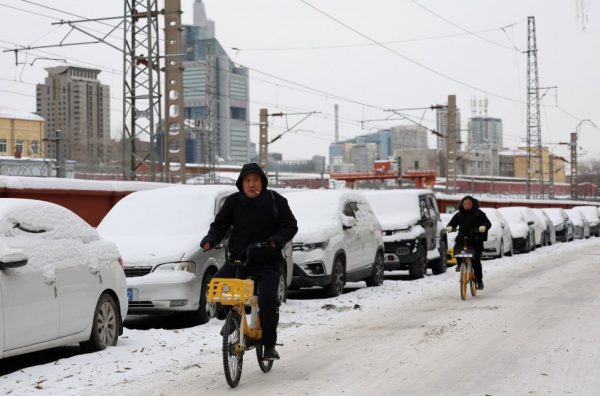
<point x="530" y="222"/>
<point x="348" y="222"/>
<point x="13" y="258"/>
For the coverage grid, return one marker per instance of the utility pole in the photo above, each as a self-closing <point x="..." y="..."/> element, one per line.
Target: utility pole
<point x="336" y="108"/>
<point x="263" y="140"/>
<point x="210" y="127"/>
<point x="59" y="147"/>
<point x="174" y="130"/>
<point x="451" y="145"/>
<point x="534" y="127"/>
<point x="573" y="146"/>
<point x="551" y="175"/>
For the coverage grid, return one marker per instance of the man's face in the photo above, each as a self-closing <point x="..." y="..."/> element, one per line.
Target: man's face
<point x="252" y="185"/>
<point x="467" y="204"/>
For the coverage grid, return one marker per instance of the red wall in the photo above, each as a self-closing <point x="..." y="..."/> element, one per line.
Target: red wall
<point x="91" y="206"/>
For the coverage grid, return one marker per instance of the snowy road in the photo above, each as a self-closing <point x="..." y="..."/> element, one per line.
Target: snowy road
<point x="534" y="330"/>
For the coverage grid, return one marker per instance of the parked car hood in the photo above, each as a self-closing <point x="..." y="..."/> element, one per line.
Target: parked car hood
<point x="398" y="221"/>
<point x="152" y="250"/>
<point x="311" y="232"/>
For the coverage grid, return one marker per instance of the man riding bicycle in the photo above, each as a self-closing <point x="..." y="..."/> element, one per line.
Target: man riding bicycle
<point x="256" y="215"/>
<point x="473" y="225"/>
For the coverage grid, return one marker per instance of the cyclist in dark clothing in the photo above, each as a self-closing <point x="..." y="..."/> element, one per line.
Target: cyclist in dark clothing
<point x="473" y="224"/>
<point x="256" y="215"/>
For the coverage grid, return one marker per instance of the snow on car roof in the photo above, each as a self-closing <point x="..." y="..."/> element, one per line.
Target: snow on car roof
<point x="27" y="216"/>
<point x="45" y="183"/>
<point x="172" y="210"/>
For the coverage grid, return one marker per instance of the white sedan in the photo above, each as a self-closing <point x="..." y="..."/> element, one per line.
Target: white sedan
<point x="60" y="282"/>
<point x="499" y="240"/>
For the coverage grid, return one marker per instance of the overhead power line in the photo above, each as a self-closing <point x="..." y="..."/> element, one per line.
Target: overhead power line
<point x="421" y="65"/>
<point x="463" y="29"/>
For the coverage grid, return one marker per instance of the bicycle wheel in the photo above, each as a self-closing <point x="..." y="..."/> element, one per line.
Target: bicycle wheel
<point x="472" y="283"/>
<point x="233" y="354"/>
<point x="463" y="281"/>
<point x="265" y="365"/>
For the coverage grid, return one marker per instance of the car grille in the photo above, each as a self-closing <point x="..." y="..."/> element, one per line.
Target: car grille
<point x="141" y="304"/>
<point x="400" y="248"/>
<point x="132" y="272"/>
<point x="296" y="247"/>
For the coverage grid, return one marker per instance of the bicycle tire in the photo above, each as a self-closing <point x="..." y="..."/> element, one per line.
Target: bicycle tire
<point x="232" y="360"/>
<point x="472" y="283"/>
<point x="265" y="365"/>
<point x="463" y="281"/>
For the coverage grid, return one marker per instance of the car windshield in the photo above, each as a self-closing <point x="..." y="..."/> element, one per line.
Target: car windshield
<point x="315" y="206"/>
<point x="155" y="213"/>
<point x="385" y="203"/>
<point x="555" y="215"/>
<point x="513" y="215"/>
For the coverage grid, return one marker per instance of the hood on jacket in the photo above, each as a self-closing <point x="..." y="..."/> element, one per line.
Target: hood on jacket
<point x="474" y="200"/>
<point x="252" y="167"/>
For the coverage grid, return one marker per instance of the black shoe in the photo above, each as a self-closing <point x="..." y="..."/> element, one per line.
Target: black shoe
<point x="480" y="285"/>
<point x="270" y="354"/>
<point x="457" y="268"/>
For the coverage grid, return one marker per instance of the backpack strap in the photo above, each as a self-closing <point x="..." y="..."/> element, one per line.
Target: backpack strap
<point x="275" y="209"/>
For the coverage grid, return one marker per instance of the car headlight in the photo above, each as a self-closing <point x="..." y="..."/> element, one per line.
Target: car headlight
<point x="307" y="247"/>
<point x="186" y="266"/>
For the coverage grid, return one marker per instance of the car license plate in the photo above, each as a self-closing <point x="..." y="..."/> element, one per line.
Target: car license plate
<point x="131" y="294"/>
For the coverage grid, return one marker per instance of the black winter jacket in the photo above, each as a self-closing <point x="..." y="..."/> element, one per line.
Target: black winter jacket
<point x="469" y="221"/>
<point x="266" y="218"/>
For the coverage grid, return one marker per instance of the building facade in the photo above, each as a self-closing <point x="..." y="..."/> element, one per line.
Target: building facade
<point x="73" y="101"/>
<point x="216" y="92"/>
<point x="409" y="137"/>
<point x="485" y="132"/>
<point x="21" y="133"/>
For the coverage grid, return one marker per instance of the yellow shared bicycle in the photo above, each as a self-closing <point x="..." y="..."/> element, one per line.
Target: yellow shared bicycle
<point x="240" y="334"/>
<point x="467" y="275"/>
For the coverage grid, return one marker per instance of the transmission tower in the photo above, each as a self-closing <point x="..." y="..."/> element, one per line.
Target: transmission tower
<point x="534" y="127"/>
<point x="141" y="87"/>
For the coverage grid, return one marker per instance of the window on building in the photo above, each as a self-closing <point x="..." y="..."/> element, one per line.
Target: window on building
<point x="238" y="113"/>
<point x="19" y="146"/>
<point x="35" y="148"/>
<point x="416" y="164"/>
<point x="2" y="145"/>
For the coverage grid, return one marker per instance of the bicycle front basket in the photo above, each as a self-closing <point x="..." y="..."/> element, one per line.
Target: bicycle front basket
<point x="464" y="253"/>
<point x="230" y="291"/>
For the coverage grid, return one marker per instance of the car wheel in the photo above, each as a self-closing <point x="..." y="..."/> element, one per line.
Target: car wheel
<point x="205" y="309"/>
<point x="501" y="254"/>
<point x="418" y="268"/>
<point x="527" y="247"/>
<point x="376" y="278"/>
<point x="440" y="265"/>
<point x="106" y="325"/>
<point x="338" y="279"/>
<point x="532" y="242"/>
<point x="511" y="251"/>
<point x="282" y="290"/>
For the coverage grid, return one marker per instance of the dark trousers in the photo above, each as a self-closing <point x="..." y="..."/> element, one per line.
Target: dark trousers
<point x="267" y="283"/>
<point x="475" y="261"/>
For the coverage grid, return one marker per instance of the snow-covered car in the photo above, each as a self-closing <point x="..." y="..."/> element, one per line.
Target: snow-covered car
<point x="563" y="226"/>
<point x="521" y="228"/>
<point x="158" y="233"/>
<point x="550" y="233"/>
<point x="413" y="235"/>
<point x="499" y="241"/>
<point x="581" y="226"/>
<point x="450" y="238"/>
<point x="60" y="282"/>
<point x="591" y="214"/>
<point x="339" y="240"/>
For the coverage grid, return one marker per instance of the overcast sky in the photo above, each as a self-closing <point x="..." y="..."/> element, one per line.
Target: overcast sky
<point x="429" y="54"/>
